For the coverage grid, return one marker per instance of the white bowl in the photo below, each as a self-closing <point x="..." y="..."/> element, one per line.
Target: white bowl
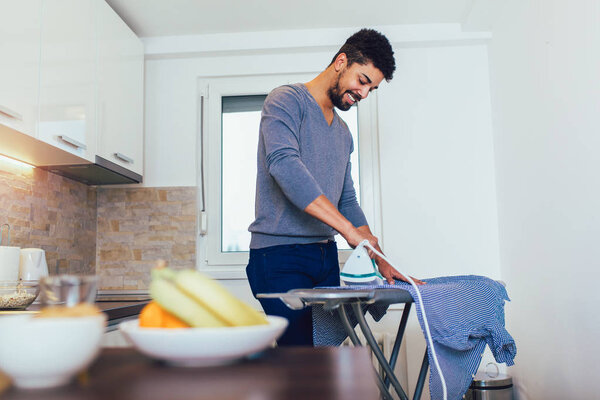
<point x="193" y="347"/>
<point x="48" y="352"/>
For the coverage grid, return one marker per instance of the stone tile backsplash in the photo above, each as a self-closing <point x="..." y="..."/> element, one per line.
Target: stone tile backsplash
<point x="137" y="227"/>
<point x="50" y="212"/>
<point x="117" y="233"/>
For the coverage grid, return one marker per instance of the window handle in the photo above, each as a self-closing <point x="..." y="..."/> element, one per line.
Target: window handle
<point x="202" y="223"/>
<point x="202" y="217"/>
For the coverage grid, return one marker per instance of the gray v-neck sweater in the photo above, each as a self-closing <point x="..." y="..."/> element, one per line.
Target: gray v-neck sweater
<point x="300" y="157"/>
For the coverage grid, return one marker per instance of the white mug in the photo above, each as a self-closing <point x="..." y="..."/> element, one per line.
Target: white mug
<point x="33" y="264"/>
<point x="9" y="263"/>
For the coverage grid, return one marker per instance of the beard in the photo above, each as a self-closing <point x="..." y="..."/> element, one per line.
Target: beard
<point x="336" y="95"/>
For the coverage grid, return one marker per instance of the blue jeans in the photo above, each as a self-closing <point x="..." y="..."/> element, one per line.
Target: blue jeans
<point x="278" y="269"/>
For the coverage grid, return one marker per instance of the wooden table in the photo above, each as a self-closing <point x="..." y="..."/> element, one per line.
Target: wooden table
<point x="278" y="374"/>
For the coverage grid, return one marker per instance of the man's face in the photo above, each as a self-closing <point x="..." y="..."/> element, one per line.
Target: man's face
<point x="353" y="84"/>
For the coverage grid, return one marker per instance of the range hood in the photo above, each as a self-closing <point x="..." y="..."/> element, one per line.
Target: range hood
<point x="22" y="147"/>
<point x="102" y="172"/>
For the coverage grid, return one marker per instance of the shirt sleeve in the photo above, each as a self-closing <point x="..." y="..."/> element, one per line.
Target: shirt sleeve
<point x="279" y="129"/>
<point x="348" y="204"/>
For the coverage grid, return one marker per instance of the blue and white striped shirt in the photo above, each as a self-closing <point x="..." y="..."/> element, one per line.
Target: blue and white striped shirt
<point x="465" y="314"/>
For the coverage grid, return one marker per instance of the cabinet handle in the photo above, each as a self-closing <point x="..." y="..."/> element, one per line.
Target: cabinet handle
<point x="10" y="113"/>
<point x="123" y="157"/>
<point x="72" y="142"/>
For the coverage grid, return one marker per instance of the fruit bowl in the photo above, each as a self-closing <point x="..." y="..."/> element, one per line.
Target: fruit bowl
<point x="194" y="347"/>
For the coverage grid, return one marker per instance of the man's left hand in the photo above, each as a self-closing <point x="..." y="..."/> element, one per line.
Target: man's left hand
<point x="390" y="273"/>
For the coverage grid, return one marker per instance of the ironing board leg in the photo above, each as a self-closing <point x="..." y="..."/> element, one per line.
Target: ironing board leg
<point x="421" y="379"/>
<point x="377" y="351"/>
<point x="383" y="388"/>
<point x="398" y="341"/>
<point x="349" y="329"/>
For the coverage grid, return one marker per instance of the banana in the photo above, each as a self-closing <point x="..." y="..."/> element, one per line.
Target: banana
<point x="199" y="300"/>
<point x="173" y="300"/>
<point x="215" y="298"/>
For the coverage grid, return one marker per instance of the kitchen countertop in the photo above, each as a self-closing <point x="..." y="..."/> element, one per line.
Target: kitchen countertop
<point x="116" y="311"/>
<point x="119" y="310"/>
<point x="282" y="373"/>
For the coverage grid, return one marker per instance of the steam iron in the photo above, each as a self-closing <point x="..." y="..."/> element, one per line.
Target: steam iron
<point x="360" y="268"/>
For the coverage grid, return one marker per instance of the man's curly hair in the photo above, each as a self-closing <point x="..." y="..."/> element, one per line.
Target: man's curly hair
<point x="368" y="45"/>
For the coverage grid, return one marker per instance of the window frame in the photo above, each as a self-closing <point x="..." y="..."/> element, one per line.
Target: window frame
<point x="210" y="92"/>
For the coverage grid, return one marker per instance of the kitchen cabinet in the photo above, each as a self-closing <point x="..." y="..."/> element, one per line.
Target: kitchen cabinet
<point x="120" y="91"/>
<point x="19" y="64"/>
<point x="71" y="89"/>
<point x="67" y="117"/>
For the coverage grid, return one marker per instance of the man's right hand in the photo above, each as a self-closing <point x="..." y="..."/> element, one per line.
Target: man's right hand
<point x="323" y="210"/>
<point x="354" y="236"/>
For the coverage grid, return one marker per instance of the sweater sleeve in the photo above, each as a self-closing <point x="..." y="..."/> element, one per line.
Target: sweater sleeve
<point x="348" y="204"/>
<point x="279" y="129"/>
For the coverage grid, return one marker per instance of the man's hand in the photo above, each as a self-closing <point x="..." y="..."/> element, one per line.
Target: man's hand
<point x="390" y="273"/>
<point x="356" y="235"/>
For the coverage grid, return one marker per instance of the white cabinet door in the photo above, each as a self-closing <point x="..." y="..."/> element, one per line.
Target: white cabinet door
<point x="20" y="24"/>
<point x="68" y="77"/>
<point x="120" y="91"/>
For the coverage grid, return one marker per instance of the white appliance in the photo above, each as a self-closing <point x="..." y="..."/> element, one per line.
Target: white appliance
<point x="32" y="265"/>
<point x="9" y="263"/>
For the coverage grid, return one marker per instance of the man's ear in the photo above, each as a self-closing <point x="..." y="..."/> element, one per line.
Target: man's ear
<point x="340" y="62"/>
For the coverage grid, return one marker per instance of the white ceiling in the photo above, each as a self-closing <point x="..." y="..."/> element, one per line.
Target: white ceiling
<point x="193" y="17"/>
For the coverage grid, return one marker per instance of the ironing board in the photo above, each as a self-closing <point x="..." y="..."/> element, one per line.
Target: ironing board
<point x="334" y="299"/>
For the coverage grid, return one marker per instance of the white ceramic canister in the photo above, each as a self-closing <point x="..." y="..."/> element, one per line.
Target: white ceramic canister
<point x="33" y="264"/>
<point x="9" y="263"/>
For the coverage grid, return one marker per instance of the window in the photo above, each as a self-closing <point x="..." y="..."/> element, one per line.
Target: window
<point x="231" y="115"/>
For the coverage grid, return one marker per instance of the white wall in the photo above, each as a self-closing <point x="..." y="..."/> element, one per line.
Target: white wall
<point x="437" y="171"/>
<point x="545" y="60"/>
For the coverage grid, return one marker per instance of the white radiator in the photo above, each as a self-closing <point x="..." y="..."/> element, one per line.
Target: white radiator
<point x="385" y="341"/>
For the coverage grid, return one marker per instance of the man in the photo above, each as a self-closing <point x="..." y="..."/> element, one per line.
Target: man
<point x="304" y="188"/>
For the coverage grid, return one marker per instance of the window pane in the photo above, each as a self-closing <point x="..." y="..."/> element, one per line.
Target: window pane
<point x="240" y="124"/>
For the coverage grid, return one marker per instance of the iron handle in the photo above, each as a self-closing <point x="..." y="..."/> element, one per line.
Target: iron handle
<point x="124" y="158"/>
<point x="10" y="113"/>
<point x="72" y="142"/>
